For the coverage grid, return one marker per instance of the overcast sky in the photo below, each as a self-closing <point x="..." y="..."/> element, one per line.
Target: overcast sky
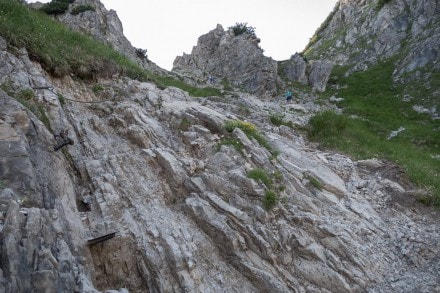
<point x="169" y="28"/>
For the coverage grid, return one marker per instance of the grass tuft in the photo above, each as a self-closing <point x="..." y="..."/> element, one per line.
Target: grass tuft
<point x="270" y="199"/>
<point x="278" y="120"/>
<point x="251" y="131"/>
<point x="261" y="176"/>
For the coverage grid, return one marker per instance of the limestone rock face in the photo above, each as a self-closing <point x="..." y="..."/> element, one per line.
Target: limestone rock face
<point x="315" y="73"/>
<point x="152" y="166"/>
<point x="225" y="57"/>
<point x="101" y="23"/>
<point x="296" y="69"/>
<point x="362" y="32"/>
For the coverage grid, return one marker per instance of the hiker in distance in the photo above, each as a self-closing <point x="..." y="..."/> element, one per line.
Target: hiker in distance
<point x="288" y="96"/>
<point x="210" y="79"/>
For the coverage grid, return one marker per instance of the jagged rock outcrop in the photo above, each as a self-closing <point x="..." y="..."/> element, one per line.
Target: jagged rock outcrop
<point x="315" y="73"/>
<point x="361" y="33"/>
<point x="237" y="60"/>
<point x="145" y="164"/>
<point x="105" y="26"/>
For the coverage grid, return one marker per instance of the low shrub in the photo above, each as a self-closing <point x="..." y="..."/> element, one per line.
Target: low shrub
<point x="241" y="28"/>
<point x="56" y="7"/>
<point x="141" y="53"/>
<point x="270" y="199"/>
<point x="82" y="8"/>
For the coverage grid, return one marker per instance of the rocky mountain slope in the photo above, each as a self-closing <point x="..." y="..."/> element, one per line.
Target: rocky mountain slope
<point x="362" y="33"/>
<point x="153" y="166"/>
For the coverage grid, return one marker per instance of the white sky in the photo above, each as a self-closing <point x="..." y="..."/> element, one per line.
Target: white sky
<point x="169" y="28"/>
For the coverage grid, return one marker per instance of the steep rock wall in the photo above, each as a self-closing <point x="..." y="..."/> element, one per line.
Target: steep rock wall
<point x="363" y="32"/>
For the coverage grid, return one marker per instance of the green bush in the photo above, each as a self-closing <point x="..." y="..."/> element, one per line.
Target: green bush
<point x="270" y="199"/>
<point x="56" y="7"/>
<point x="226" y="84"/>
<point x="97" y="88"/>
<point x="141" y="53"/>
<point x="81" y="8"/>
<point x="241" y="28"/>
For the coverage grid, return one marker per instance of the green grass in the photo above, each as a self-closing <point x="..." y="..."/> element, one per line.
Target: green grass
<point x="261" y="176"/>
<point x="314" y="182"/>
<point x="372" y="108"/>
<point x="251" y="131"/>
<point x="166" y="81"/>
<point x="327" y="126"/>
<point x="272" y="182"/>
<point x="270" y="199"/>
<point x="230" y="141"/>
<point x="278" y="120"/>
<point x="62" y="52"/>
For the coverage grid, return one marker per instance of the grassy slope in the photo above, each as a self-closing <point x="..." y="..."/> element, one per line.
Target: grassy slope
<point x="62" y="51"/>
<point x="373" y="107"/>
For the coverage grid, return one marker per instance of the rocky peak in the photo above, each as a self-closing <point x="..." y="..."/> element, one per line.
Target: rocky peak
<point x="237" y="60"/>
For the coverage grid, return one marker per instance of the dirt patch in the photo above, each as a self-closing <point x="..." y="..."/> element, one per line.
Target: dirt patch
<point x="411" y="198"/>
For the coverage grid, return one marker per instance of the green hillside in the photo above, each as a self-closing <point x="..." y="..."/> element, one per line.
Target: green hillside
<point x="373" y="106"/>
